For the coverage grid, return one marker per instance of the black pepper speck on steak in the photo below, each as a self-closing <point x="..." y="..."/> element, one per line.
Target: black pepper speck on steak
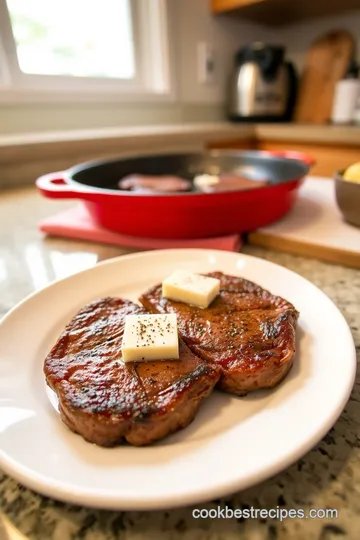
<point x="107" y="401"/>
<point x="246" y="331"/>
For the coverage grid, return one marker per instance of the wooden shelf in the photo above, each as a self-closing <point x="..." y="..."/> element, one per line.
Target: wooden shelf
<point x="280" y="12"/>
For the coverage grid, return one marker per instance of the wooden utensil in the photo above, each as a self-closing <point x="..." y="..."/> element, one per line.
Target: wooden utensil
<point x="326" y="63"/>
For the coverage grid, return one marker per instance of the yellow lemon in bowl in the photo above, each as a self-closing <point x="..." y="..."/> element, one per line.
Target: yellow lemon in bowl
<point x="352" y="173"/>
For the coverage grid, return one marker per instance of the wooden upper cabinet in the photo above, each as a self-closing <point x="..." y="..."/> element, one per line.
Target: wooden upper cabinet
<point x="279" y="12"/>
<point x="220" y="6"/>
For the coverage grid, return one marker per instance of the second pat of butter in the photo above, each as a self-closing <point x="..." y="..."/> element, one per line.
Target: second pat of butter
<point x="195" y="289"/>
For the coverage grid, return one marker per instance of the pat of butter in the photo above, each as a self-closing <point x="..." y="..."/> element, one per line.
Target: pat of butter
<point x="206" y="180"/>
<point x="150" y="337"/>
<point x="184" y="286"/>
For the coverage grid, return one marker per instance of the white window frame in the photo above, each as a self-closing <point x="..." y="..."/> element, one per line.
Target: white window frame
<point x="153" y="79"/>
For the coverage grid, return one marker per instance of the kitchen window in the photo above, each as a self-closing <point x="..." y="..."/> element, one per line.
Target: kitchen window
<point x="90" y="49"/>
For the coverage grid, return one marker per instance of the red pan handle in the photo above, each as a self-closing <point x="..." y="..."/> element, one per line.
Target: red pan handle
<point x="293" y="154"/>
<point x="54" y="186"/>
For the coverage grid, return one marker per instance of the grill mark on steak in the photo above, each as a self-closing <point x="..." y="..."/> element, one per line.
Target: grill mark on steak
<point x="105" y="400"/>
<point x="247" y="332"/>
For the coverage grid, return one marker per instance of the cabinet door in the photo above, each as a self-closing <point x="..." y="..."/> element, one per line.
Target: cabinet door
<point x="237" y="144"/>
<point x="329" y="158"/>
<point x="219" y="6"/>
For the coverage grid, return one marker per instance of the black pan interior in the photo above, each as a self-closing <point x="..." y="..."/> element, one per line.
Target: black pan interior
<point x="249" y="164"/>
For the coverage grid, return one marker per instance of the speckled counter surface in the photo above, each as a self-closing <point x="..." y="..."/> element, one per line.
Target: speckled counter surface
<point x="327" y="477"/>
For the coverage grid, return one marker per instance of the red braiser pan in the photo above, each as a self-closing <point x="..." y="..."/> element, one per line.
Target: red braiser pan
<point x="185" y="214"/>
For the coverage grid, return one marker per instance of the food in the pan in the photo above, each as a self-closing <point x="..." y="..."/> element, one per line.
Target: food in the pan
<point x="205" y="183"/>
<point x="209" y="183"/>
<point x="154" y="184"/>
<point x="246" y="331"/>
<point x="107" y="400"/>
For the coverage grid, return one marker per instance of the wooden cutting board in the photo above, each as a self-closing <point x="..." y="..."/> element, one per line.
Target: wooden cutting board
<point x="314" y="228"/>
<point x="326" y="63"/>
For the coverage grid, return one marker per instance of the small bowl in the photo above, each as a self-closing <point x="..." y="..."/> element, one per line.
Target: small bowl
<point x="348" y="198"/>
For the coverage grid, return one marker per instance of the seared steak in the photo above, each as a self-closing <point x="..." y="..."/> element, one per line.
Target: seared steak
<point x="105" y="400"/>
<point x="246" y="331"/>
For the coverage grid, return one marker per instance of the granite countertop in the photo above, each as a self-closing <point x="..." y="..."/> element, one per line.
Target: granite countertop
<point x="326" y="477"/>
<point x="25" y="156"/>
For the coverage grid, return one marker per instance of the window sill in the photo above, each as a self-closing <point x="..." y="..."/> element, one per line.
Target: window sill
<point x="103" y="94"/>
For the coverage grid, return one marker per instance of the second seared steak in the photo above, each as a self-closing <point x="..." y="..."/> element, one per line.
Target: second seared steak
<point x="107" y="401"/>
<point x="246" y="331"/>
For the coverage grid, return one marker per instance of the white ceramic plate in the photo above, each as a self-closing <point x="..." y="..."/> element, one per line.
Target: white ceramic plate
<point x="233" y="442"/>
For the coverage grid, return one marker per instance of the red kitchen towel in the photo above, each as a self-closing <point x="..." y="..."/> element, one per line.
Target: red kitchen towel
<point x="77" y="223"/>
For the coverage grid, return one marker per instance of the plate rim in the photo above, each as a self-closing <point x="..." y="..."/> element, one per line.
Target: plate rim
<point x="101" y="498"/>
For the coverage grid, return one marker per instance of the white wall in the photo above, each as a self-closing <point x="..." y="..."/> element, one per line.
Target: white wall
<point x="192" y="22"/>
<point x="298" y="37"/>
